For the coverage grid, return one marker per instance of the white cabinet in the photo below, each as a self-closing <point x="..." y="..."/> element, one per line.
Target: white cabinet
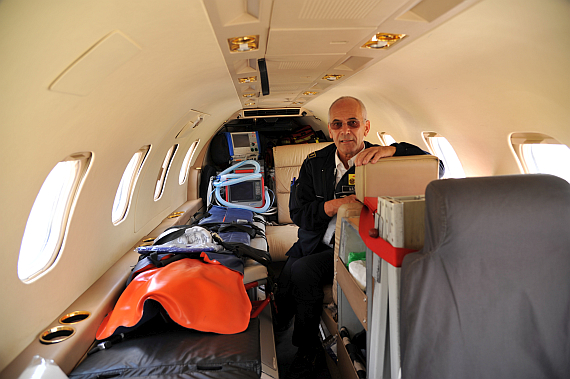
<point x="353" y="309"/>
<point x="377" y="310"/>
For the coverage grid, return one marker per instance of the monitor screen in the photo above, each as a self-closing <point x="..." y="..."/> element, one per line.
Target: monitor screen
<point x="243" y="191"/>
<point x="240" y="140"/>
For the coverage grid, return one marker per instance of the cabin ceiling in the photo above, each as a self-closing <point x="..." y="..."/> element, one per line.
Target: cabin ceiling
<point x="302" y="41"/>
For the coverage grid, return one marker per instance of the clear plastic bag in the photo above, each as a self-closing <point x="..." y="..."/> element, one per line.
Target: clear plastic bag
<point x="194" y="239"/>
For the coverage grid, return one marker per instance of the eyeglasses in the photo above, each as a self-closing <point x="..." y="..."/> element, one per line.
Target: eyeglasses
<point x="353" y="124"/>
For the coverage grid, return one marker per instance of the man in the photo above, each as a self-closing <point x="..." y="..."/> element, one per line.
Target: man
<point x="322" y="187"/>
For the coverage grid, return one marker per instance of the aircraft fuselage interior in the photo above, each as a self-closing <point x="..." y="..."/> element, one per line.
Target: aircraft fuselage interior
<point x="151" y="151"/>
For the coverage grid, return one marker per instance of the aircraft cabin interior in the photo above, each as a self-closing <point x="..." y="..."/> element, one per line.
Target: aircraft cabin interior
<point x="139" y="138"/>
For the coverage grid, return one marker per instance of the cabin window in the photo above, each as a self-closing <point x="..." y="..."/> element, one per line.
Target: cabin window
<point x="186" y="164"/>
<point x="163" y="173"/>
<point x="385" y="139"/>
<point x="49" y="218"/>
<point x="127" y="185"/>
<point x="539" y="153"/>
<point x="441" y="148"/>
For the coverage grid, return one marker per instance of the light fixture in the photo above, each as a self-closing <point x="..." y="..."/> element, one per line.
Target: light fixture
<point x="309" y="93"/>
<point x="249" y="104"/>
<point x="248" y="95"/>
<point x="248" y="79"/>
<point x="242" y="44"/>
<point x="383" y="40"/>
<point x="332" y="78"/>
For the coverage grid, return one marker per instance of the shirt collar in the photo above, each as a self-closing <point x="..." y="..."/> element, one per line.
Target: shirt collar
<point x="338" y="162"/>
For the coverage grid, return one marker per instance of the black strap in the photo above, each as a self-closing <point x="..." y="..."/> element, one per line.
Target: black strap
<point x="153" y="256"/>
<point x="243" y="250"/>
<point x="220" y="227"/>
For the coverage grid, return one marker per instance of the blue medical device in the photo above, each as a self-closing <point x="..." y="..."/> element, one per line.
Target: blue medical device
<point x="243" y="145"/>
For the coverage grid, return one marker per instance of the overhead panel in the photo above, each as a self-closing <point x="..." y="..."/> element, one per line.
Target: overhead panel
<point x="285" y="42"/>
<point x="311" y="45"/>
<point x="303" y="69"/>
<point x="338" y="14"/>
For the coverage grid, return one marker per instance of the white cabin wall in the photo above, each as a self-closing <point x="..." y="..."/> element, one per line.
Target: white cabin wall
<point x="179" y="67"/>
<point x="499" y="67"/>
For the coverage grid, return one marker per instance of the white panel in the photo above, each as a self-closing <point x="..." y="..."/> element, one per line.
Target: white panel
<point x="327" y="13"/>
<point x="314" y="41"/>
<point x="100" y="61"/>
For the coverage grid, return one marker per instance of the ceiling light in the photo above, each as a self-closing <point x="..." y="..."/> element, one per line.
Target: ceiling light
<point x="248" y="79"/>
<point x="332" y="78"/>
<point x="248" y="95"/>
<point x="383" y="40"/>
<point x="309" y="93"/>
<point x="242" y="44"/>
<point x="249" y="104"/>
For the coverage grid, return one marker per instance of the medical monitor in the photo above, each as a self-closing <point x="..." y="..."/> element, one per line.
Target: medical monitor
<point x="249" y="192"/>
<point x="243" y="145"/>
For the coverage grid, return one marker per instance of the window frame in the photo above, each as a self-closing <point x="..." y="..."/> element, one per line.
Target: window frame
<point x="383" y="137"/>
<point x="61" y="214"/>
<point x="142" y="153"/>
<point x="428" y="138"/>
<point x="186" y="164"/>
<point x="163" y="173"/>
<point x="518" y="141"/>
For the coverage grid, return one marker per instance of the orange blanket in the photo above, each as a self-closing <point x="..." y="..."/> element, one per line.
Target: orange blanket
<point x="204" y="296"/>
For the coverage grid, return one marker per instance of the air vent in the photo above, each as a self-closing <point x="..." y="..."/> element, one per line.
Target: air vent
<point x="251" y="113"/>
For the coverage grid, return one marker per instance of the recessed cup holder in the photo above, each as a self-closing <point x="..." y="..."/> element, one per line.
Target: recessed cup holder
<point x="74" y="317"/>
<point x="56" y="334"/>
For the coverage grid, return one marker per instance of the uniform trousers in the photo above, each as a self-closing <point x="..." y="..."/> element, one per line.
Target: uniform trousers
<point x="300" y="293"/>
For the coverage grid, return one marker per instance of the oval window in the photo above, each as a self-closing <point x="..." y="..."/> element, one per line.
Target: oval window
<point x="163" y="173"/>
<point x="441" y="148"/>
<point x="48" y="220"/>
<point x="187" y="160"/>
<point x="127" y="185"/>
<point x="539" y="153"/>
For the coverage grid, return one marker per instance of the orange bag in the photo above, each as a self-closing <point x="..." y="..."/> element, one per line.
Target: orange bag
<point x="205" y="296"/>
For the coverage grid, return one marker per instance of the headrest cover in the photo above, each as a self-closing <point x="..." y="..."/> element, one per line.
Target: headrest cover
<point x="396" y="176"/>
<point x="497" y="211"/>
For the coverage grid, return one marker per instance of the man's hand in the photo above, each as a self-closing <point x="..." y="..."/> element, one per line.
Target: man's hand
<point x="332" y="206"/>
<point x="373" y="154"/>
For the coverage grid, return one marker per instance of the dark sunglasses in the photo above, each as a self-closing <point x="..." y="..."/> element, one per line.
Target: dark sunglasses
<point x="353" y="124"/>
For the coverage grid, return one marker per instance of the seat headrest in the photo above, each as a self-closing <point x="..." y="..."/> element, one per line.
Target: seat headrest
<point x="396" y="176"/>
<point x="294" y="155"/>
<point x="497" y="212"/>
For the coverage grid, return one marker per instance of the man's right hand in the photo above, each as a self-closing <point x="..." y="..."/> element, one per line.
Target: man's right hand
<point x="332" y="206"/>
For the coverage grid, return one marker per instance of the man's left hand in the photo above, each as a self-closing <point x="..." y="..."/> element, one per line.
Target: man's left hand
<point x="374" y="154"/>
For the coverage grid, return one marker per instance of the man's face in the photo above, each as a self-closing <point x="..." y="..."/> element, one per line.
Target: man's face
<point x="347" y="127"/>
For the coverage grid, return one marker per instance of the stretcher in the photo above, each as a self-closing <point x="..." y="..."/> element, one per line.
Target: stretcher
<point x="161" y="348"/>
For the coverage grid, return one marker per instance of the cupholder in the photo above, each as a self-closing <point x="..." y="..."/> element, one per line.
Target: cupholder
<point x="74" y="317"/>
<point x="57" y="334"/>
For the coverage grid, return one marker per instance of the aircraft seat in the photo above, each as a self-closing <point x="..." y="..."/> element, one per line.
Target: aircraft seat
<point x="288" y="160"/>
<point x="489" y="293"/>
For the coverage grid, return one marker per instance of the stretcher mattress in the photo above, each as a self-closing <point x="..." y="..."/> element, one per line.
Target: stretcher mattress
<point x="170" y="351"/>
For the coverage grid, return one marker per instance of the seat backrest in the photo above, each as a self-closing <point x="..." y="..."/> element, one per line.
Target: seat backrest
<point x="488" y="296"/>
<point x="288" y="160"/>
